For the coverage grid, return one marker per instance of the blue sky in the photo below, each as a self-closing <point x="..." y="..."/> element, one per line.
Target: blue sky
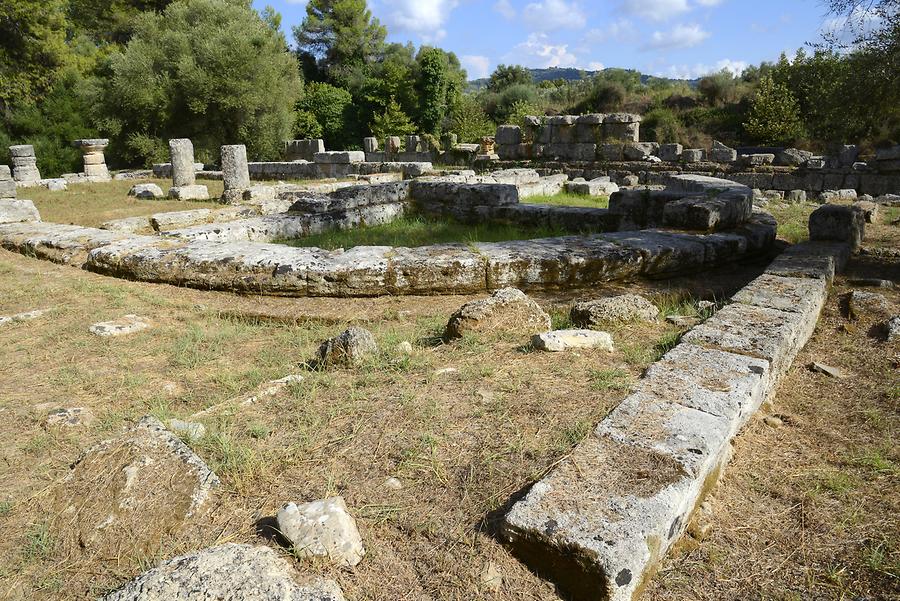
<point x="672" y="38"/>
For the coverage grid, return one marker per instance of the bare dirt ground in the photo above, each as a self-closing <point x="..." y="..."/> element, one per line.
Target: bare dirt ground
<point x="807" y="510"/>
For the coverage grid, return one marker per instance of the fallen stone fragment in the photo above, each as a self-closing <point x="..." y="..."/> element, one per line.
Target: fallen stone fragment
<point x="26" y="316"/>
<point x="404" y="348"/>
<point x="266" y="390"/>
<point x="393" y="484"/>
<point x="70" y="416"/>
<point x="773" y="421"/>
<point x="229" y="572"/>
<point x="193" y="192"/>
<point x="56" y="185"/>
<point x="120" y="327"/>
<point x="446" y="371"/>
<point x="125" y="493"/>
<point x="146" y="191"/>
<point x="564" y="340"/>
<point x="868" y="304"/>
<point x="18" y="211"/>
<point x="614" y="309"/>
<point x="834" y="372"/>
<point x="188" y="430"/>
<point x="322" y="528"/>
<point x="871" y="283"/>
<point x="353" y="346"/>
<point x="892" y="329"/>
<point x="506" y="310"/>
<point x="683" y="321"/>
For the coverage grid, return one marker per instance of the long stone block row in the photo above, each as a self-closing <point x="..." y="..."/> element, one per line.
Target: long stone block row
<point x="600" y="523"/>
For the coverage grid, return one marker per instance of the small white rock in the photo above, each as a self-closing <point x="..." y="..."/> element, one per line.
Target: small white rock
<point x="393" y="484"/>
<point x="188" y="430"/>
<point x="446" y="371"/>
<point x="322" y="528"/>
<point x="404" y="348"/>
<point x="491" y="578"/>
<point x="70" y="416"/>
<point x="563" y="340"/>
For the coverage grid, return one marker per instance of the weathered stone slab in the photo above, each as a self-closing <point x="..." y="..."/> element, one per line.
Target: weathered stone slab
<point x="128" y="324"/>
<point x="18" y="211"/>
<point x="614" y="309"/>
<point x="838" y="223"/>
<point x="663" y="254"/>
<point x="725" y="211"/>
<point x="124" y="494"/>
<point x="229" y="572"/>
<point x="191" y="192"/>
<point x="795" y="294"/>
<point x="61" y="243"/>
<point x="146" y="191"/>
<point x="506" y="310"/>
<point x="769" y="334"/>
<point x="336" y="157"/>
<point x="811" y="260"/>
<point x="181" y="151"/>
<point x="565" y="340"/>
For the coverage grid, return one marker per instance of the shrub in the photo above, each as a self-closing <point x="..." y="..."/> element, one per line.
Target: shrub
<point x="306" y="126"/>
<point x="332" y="108"/>
<point x="604" y="97"/>
<point x="469" y="122"/>
<point x="661" y="125"/>
<point x="774" y="116"/>
<point x="393" y="122"/>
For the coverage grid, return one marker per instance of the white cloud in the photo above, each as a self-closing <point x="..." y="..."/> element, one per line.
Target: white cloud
<point x="548" y="15"/>
<point x="618" y="31"/>
<point x="595" y="66"/>
<point x="700" y="69"/>
<point x="709" y="2"/>
<point x="537" y="51"/>
<point x="476" y="66"/>
<point x="655" y="10"/>
<point x="505" y="9"/>
<point x="680" y="36"/>
<point x="423" y="17"/>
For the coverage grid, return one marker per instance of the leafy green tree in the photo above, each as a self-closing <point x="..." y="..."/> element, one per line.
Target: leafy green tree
<point x="306" y="126"/>
<point x="110" y="21"/>
<point x="717" y="88"/>
<point x="341" y="35"/>
<point x="774" y="115"/>
<point x="332" y="108"/>
<point x="505" y="76"/>
<point x="432" y="88"/>
<point x="32" y="49"/>
<point x="214" y="71"/>
<point x="392" y="122"/>
<point x="469" y="121"/>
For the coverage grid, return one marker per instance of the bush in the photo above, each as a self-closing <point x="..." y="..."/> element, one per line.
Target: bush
<point x="511" y="97"/>
<point x="306" y="126"/>
<point x="605" y="97"/>
<point x="469" y="121"/>
<point x="214" y="71"/>
<point x="774" y="116"/>
<point x="661" y="125"/>
<point x="393" y="122"/>
<point x="332" y="108"/>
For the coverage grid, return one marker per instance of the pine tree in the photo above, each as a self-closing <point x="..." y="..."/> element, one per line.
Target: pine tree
<point x="393" y="122"/>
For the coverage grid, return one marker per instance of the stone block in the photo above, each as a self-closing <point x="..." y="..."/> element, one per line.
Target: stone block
<point x="882" y="154"/>
<point x="509" y="135"/>
<point x="756" y="160"/>
<point x="703" y="213"/>
<point x="838" y="223"/>
<point x="670" y="152"/>
<point x="322" y="529"/>
<point x="21" y="150"/>
<point x="637" y="151"/>
<point x="792" y="157"/>
<point x="848" y="154"/>
<point x="7" y="188"/>
<point x="693" y="155"/>
<point x="18" y="211"/>
<point x="612" y="152"/>
<point x="722" y="154"/>
<point x="235" y="172"/>
<point x="795" y="196"/>
<point x="564" y="340"/>
<point x="182" y="156"/>
<point x="193" y="192"/>
<point x="370" y="145"/>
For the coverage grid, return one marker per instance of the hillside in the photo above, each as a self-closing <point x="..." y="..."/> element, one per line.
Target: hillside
<point x="573" y="74"/>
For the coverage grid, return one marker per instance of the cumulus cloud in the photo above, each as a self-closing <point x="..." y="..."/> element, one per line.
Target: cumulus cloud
<point x="548" y="15"/>
<point x="616" y="31"/>
<point x="538" y="51"/>
<point x="680" y="36"/>
<point x="709" y="2"/>
<point x="476" y="66"/>
<point x="700" y="69"/>
<point x="425" y="18"/>
<point x="505" y="9"/>
<point x="655" y="10"/>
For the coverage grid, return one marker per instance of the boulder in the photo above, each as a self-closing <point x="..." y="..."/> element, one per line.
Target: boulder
<point x="124" y="494"/>
<point x="792" y="157"/>
<point x="322" y="529"/>
<point x="193" y="192"/>
<point x="869" y="210"/>
<point x="847" y="154"/>
<point x="18" y="211"/>
<point x="146" y="191"/>
<point x="838" y="223"/>
<point x="506" y="310"/>
<point x="868" y="305"/>
<point x="722" y="154"/>
<point x="353" y="346"/>
<point x="564" y="340"/>
<point x="613" y="309"/>
<point x="229" y="572"/>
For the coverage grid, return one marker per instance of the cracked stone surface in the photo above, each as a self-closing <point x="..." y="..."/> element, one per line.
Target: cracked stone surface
<point x="128" y="324"/>
<point x="322" y="528"/>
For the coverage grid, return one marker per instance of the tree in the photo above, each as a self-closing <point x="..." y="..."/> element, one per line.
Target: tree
<point x="110" y="21"/>
<point x="605" y="96"/>
<point x="341" y="35"/>
<point x="331" y="106"/>
<point x="505" y="76"/>
<point x="469" y="121"/>
<point x="717" y="88"/>
<point x="774" y="115"/>
<point x="214" y="71"/>
<point x="432" y="88"/>
<point x="32" y="49"/>
<point x="393" y="122"/>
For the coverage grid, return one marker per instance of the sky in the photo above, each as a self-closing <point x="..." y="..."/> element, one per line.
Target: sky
<point x="668" y="38"/>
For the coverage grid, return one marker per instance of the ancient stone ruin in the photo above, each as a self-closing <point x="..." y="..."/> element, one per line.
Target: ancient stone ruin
<point x="94" y="160"/>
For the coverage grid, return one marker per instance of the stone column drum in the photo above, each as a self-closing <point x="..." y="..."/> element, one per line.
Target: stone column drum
<point x="94" y="159"/>
<point x="182" y="153"/>
<point x="7" y="183"/>
<point x="24" y="163"/>
<point x="235" y="172"/>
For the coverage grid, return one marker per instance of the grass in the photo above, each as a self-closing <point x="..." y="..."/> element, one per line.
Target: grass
<point x="91" y="204"/>
<point x="793" y="220"/>
<point x="569" y="200"/>
<point x="412" y="231"/>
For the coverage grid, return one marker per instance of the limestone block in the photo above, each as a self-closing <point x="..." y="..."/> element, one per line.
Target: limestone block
<point x="322" y="529"/>
<point x="848" y="154"/>
<point x="352" y="347"/>
<point x="637" y="151"/>
<point x="612" y="310"/>
<point x="506" y="310"/>
<point x="509" y="135"/>
<point x="123" y="492"/>
<point x="612" y="152"/>
<point x="756" y="160"/>
<point x="340" y="157"/>
<point x="18" y="211"/>
<point x="226" y="572"/>
<point x="838" y="223"/>
<point x="693" y="155"/>
<point x="56" y="184"/>
<point x="792" y="157"/>
<point x="7" y="188"/>
<point x="703" y="213"/>
<point x="722" y="154"/>
<point x="235" y="172"/>
<point x="671" y="152"/>
<point x="181" y="151"/>
<point x="370" y="145"/>
<point x="146" y="191"/>
<point x="191" y="192"/>
<point x="21" y="150"/>
<point x="128" y="324"/>
<point x="392" y="145"/>
<point x="882" y="154"/>
<point x="793" y="294"/>
<point x="795" y="196"/>
<point x="564" y="340"/>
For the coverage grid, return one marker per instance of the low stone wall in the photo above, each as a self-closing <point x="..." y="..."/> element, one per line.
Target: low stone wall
<point x="599" y="524"/>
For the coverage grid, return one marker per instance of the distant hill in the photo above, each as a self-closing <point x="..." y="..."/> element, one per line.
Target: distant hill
<point x="572" y="74"/>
